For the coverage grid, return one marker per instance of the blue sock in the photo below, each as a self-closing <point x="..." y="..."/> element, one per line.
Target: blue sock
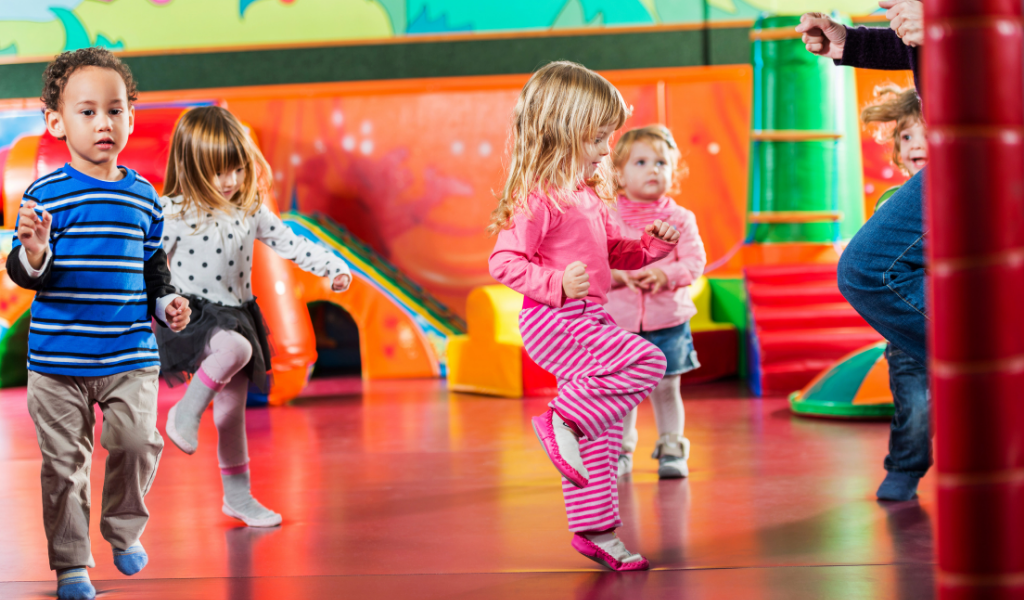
<point x="899" y="487"/>
<point x="74" y="584"/>
<point x="132" y="560"/>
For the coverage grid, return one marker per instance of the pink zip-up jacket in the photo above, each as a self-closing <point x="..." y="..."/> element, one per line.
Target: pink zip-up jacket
<point x="531" y="256"/>
<point x="672" y="304"/>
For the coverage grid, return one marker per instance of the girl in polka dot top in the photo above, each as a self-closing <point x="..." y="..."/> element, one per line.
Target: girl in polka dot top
<point x="213" y="216"/>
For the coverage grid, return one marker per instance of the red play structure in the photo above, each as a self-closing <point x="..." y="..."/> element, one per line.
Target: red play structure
<point x="974" y="103"/>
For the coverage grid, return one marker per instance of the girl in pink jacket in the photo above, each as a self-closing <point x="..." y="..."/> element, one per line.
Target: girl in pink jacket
<point x="654" y="302"/>
<point x="557" y="243"/>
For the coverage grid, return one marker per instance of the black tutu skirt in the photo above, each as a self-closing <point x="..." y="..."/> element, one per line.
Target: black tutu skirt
<point x="181" y="353"/>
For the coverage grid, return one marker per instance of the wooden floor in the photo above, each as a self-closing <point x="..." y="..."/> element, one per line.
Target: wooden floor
<point x="403" y="490"/>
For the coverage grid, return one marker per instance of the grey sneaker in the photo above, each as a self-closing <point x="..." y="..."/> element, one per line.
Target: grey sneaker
<point x="625" y="464"/>
<point x="672" y="452"/>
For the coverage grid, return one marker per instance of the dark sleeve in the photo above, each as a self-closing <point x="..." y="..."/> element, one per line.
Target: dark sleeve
<point x="16" y="271"/>
<point x="158" y="281"/>
<point x="876" y="48"/>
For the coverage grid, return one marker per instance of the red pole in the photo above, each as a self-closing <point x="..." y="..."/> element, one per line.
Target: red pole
<point x="973" y="88"/>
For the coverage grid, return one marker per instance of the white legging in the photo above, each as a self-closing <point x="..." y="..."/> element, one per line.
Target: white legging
<point x="225" y="356"/>
<point x="669" y="414"/>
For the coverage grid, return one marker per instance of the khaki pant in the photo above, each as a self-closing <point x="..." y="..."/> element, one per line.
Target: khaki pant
<point x="62" y="409"/>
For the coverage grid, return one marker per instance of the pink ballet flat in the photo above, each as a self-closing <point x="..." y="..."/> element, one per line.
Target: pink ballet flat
<point x="576" y="473"/>
<point x="595" y="553"/>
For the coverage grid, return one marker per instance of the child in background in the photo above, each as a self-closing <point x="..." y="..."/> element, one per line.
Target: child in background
<point x="654" y="302"/>
<point x="89" y="242"/>
<point x="898" y="111"/>
<point x="216" y="184"/>
<point x="556" y="245"/>
<point x="910" y="446"/>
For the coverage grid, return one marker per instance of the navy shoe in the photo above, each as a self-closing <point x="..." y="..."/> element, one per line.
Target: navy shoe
<point x="898" y="487"/>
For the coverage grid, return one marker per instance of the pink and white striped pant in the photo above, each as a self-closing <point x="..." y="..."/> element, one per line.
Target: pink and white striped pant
<point x="603" y="372"/>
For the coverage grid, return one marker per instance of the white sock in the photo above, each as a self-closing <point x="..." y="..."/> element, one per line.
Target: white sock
<point x="238" y="496"/>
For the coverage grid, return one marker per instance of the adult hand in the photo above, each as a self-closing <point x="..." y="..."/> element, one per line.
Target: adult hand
<point x="177" y="314"/>
<point x="34" y="233"/>
<point x="663" y="231"/>
<point x="623" y="278"/>
<point x="906" y="18"/>
<point x="576" y="281"/>
<point x="653" y="280"/>
<point x="822" y="35"/>
<point x="341" y="282"/>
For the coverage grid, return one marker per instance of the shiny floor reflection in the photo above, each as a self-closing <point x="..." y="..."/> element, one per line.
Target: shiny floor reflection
<point x="401" y="489"/>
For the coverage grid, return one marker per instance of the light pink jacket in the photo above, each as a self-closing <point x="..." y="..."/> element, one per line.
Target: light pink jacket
<point x="672" y="305"/>
<point x="532" y="255"/>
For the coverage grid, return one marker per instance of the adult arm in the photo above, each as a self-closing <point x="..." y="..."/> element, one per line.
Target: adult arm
<point x="865" y="47"/>
<point x="875" y="48"/>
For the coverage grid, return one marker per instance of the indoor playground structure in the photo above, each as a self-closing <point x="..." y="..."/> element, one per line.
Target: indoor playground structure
<point x="855" y="387"/>
<point x="408" y="328"/>
<point x="769" y="309"/>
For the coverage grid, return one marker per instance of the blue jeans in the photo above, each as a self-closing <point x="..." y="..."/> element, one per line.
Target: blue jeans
<point x="910" y="440"/>
<point x="882" y="271"/>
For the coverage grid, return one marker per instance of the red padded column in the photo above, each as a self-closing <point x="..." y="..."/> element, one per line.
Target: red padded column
<point x="973" y="88"/>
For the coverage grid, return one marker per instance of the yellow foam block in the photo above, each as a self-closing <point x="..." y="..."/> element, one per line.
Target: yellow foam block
<point x="489" y="360"/>
<point x="700" y="292"/>
<point x="485" y="367"/>
<point x="492" y="313"/>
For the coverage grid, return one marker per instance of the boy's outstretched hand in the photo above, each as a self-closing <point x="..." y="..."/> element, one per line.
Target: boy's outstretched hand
<point x="177" y="314"/>
<point x="341" y="282"/>
<point x="663" y="231"/>
<point x="34" y="233"/>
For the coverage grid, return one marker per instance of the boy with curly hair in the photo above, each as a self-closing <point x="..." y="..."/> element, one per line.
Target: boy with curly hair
<point x="89" y="242"/>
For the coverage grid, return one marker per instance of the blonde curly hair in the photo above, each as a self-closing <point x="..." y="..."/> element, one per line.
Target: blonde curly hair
<point x="559" y="110"/>
<point x="896" y="109"/>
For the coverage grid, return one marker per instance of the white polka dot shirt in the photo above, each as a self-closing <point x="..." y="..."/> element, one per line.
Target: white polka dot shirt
<point x="213" y="259"/>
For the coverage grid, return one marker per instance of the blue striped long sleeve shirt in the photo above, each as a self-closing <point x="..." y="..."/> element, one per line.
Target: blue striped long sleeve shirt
<point x="90" y="317"/>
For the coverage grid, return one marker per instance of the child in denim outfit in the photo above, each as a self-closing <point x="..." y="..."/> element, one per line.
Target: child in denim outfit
<point x="655" y="302"/>
<point x="910" y="445"/>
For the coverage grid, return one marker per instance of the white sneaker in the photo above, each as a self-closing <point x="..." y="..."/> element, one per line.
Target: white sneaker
<point x="672" y="452"/>
<point x="625" y="464"/>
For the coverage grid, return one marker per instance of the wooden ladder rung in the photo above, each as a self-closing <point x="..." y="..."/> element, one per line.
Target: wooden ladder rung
<point x="796" y="216"/>
<point x="794" y="135"/>
<point x="772" y="34"/>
